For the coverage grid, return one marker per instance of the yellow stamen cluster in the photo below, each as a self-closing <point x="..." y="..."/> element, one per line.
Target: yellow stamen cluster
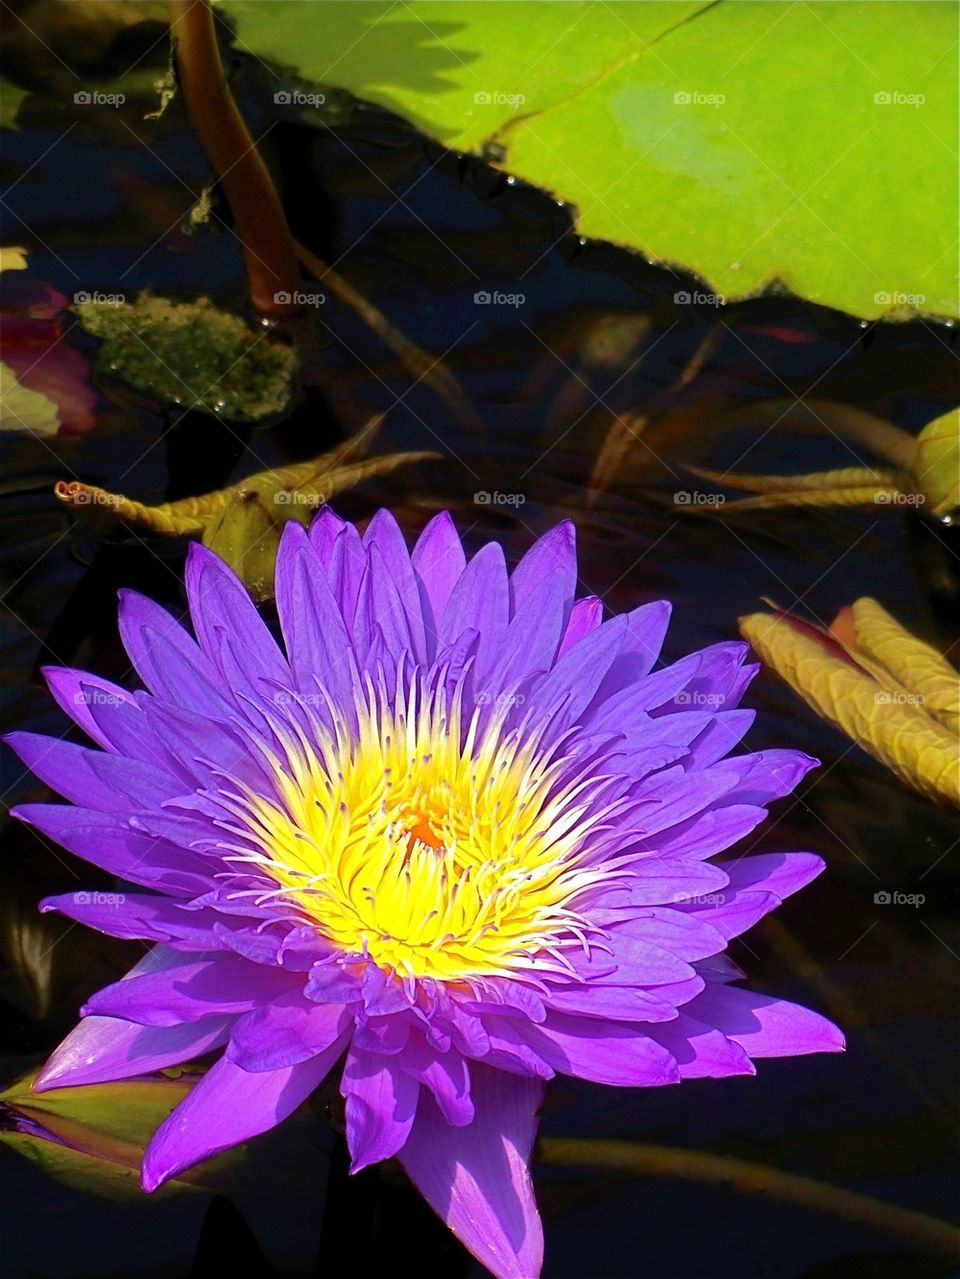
<point x="435" y="851"/>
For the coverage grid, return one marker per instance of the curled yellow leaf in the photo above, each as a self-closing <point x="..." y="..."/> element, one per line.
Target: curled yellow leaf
<point x="242" y="522"/>
<point x="936" y="463"/>
<point x="893" y="727"/>
<point x="915" y="665"/>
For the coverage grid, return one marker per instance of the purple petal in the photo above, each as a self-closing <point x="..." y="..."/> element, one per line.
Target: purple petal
<point x="568" y="689"/>
<point x="767" y="775"/>
<point x="76" y="691"/>
<point x="137" y="916"/>
<point x="645" y="628"/>
<point x="393" y="562"/>
<point x="764" y="1026"/>
<point x="533" y="635"/>
<point x="657" y="881"/>
<point x="446" y="1075"/>
<point x="231" y="632"/>
<point x="227" y="1106"/>
<point x="165" y="657"/>
<point x="104" y="1048"/>
<point x="316" y="639"/>
<point x="101" y="839"/>
<point x="687" y="936"/>
<point x="555" y="552"/>
<point x="190" y="989"/>
<point x="606" y="1052"/>
<point x="438" y="562"/>
<point x="480" y="599"/>
<point x="702" y="1052"/>
<point x="381" y="1105"/>
<point x="93" y="778"/>
<point x="477" y="1178"/>
<point x="288" y="1030"/>
<point x="725" y="731"/>
<point x="612" y="1003"/>
<point x="757" y="885"/>
<point x="380" y="608"/>
<point x="585" y="616"/>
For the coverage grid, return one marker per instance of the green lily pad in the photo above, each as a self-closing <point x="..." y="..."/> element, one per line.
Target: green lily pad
<point x="807" y="146"/>
<point x="92" y="1137"/>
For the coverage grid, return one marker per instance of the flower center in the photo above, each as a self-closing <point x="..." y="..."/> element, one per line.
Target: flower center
<point x="418" y="841"/>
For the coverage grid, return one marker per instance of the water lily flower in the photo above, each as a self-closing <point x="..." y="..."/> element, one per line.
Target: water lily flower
<point x="458" y="833"/>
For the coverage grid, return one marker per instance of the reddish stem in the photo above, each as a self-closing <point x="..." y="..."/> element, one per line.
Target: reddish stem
<point x="258" y="216"/>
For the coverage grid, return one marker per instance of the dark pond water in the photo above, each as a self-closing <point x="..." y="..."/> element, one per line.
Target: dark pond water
<point x="99" y="196"/>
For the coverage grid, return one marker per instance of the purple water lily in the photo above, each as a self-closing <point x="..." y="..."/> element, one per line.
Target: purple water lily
<point x="459" y="834"/>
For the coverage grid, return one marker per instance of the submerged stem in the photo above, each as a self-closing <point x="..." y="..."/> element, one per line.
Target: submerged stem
<point x="746" y="1177"/>
<point x="258" y="216"/>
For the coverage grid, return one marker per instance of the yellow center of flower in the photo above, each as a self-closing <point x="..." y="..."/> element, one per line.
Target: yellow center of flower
<point x="437" y="852"/>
